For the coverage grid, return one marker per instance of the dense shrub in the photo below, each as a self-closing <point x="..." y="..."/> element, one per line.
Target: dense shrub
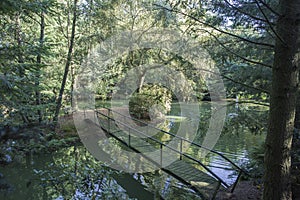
<point x="150" y="102"/>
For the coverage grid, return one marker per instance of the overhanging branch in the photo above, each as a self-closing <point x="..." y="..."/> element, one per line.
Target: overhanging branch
<point x="244" y="13"/>
<point x="269" y="7"/>
<point x="217" y="29"/>
<point x="269" y="23"/>
<point x="236" y="54"/>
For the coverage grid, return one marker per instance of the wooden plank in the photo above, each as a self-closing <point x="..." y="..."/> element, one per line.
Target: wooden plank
<point x="135" y="142"/>
<point x="189" y="172"/>
<point x="204" y="183"/>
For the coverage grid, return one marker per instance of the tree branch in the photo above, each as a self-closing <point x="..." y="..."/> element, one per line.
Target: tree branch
<point x="217" y="29"/>
<point x="245" y="13"/>
<point x="237" y="82"/>
<point x="233" y="102"/>
<point x="68" y="63"/>
<point x="234" y="53"/>
<point x="245" y="85"/>
<point x="269" y="7"/>
<point x="269" y="23"/>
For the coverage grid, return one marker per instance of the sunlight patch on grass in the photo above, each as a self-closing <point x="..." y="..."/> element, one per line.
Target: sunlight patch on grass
<point x="175" y="118"/>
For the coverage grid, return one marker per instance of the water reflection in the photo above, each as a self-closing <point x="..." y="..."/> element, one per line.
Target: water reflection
<point x="72" y="173"/>
<point x="245" y="127"/>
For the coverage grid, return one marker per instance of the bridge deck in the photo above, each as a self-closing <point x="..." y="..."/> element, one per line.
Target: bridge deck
<point x="203" y="183"/>
<point x="190" y="171"/>
<point x="182" y="170"/>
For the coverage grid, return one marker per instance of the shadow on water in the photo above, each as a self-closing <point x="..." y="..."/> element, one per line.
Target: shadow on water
<point x="72" y="173"/>
<point x="244" y="128"/>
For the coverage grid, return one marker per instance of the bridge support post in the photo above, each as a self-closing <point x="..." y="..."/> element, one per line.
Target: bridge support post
<point x="236" y="181"/>
<point x="147" y="131"/>
<point x="216" y="191"/>
<point x="161" y="158"/>
<point x="129" y="137"/>
<point x="108" y="118"/>
<point x="180" y="149"/>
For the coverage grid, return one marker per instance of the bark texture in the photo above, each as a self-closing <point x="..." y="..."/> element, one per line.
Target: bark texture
<point x="67" y="66"/>
<point x="39" y="62"/>
<point x="277" y="185"/>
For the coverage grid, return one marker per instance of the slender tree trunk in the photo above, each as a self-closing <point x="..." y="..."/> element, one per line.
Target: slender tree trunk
<point x="141" y="79"/>
<point x="18" y="38"/>
<point x="68" y="63"/>
<point x="73" y="83"/>
<point x="297" y="117"/>
<point x="21" y="72"/>
<point x="277" y="185"/>
<point x="39" y="62"/>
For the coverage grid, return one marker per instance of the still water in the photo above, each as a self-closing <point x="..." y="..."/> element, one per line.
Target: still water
<point x="72" y="173"/>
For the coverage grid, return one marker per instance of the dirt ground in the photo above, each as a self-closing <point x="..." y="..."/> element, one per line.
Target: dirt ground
<point x="244" y="190"/>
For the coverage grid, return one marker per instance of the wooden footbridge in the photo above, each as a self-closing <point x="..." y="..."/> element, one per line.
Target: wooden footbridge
<point x="189" y="169"/>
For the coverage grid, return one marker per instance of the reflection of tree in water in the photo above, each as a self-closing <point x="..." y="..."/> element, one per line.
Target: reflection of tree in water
<point x="76" y="174"/>
<point x="245" y="126"/>
<point x="150" y="102"/>
<point x="246" y="117"/>
<point x="162" y="184"/>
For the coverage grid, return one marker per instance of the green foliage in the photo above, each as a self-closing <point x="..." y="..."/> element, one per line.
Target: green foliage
<point x="151" y="102"/>
<point x="235" y="33"/>
<point x="255" y="167"/>
<point x="76" y="170"/>
<point x="35" y="140"/>
<point x="68" y="128"/>
<point x="21" y="76"/>
<point x="240" y="41"/>
<point x="246" y="117"/>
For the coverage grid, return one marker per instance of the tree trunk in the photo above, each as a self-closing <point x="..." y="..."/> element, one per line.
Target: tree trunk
<point x="73" y="83"/>
<point x="141" y="79"/>
<point x="20" y="57"/>
<point x="18" y="38"/>
<point x="39" y="62"/>
<point x="277" y="183"/>
<point x="67" y="66"/>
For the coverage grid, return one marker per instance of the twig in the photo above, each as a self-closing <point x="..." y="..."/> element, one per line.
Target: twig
<point x="269" y="23"/>
<point x="234" y="53"/>
<point x="217" y="29"/>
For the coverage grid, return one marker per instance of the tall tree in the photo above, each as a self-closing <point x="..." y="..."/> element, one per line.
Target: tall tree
<point x="277" y="183"/>
<point x="284" y="42"/>
<point x="238" y="35"/>
<point x="39" y="62"/>
<point x="19" y="62"/>
<point x="68" y="63"/>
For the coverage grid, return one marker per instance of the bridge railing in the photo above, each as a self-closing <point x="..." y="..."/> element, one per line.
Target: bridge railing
<point x="182" y="140"/>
